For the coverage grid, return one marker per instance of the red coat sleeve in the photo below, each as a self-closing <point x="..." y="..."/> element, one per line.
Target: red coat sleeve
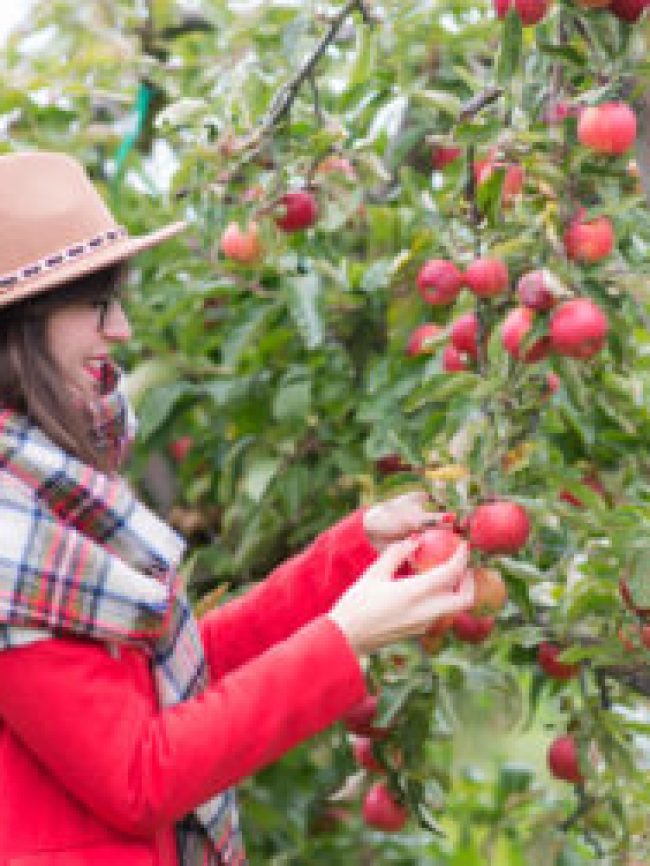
<point x="299" y="590"/>
<point x="87" y="718"/>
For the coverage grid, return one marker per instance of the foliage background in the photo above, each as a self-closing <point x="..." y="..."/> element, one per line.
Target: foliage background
<point x="291" y="378"/>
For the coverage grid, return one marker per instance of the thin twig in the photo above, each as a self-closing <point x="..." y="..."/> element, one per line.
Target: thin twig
<point x="479" y="102"/>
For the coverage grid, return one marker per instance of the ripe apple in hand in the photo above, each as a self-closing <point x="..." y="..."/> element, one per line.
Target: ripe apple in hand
<point x="300" y="211"/>
<point x="578" y="328"/>
<point x="435" y="546"/>
<point x="563" y="759"/>
<point x="588" y="240"/>
<point x="487" y="277"/>
<point x="439" y="281"/>
<point x="516" y="325"/>
<point x="499" y="527"/>
<point x="381" y="809"/>
<point x="547" y="658"/>
<point x="607" y="128"/>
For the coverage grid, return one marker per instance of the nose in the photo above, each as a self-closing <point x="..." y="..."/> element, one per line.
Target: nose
<point x="116" y="326"/>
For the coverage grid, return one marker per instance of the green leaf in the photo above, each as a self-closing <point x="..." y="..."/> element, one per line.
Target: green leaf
<point x="157" y="405"/>
<point x="511" y="47"/>
<point x="303" y="291"/>
<point x="259" y="474"/>
<point x="292" y="401"/>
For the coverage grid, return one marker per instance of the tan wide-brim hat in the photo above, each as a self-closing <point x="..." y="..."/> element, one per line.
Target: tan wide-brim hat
<point x="55" y="227"/>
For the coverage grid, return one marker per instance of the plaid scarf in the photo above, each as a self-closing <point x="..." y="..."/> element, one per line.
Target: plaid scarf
<point x="81" y="555"/>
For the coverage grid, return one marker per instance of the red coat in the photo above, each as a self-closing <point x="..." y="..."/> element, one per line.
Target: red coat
<point x="92" y="773"/>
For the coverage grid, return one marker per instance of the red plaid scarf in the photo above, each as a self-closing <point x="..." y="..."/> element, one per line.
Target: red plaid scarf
<point x="81" y="554"/>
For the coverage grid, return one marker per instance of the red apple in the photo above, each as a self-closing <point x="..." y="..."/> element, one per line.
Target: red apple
<point x="241" y="246"/>
<point x="547" y="658"/>
<point x="487" y="277"/>
<point x="588" y="240"/>
<point x="464" y="333"/>
<point x="499" y="527"/>
<point x="442" y="156"/>
<point x="513" y="180"/>
<point x="534" y="291"/>
<point x="607" y="128"/>
<point x="389" y="464"/>
<point x="435" y="546"/>
<point x="628" y="10"/>
<point x="452" y="360"/>
<point x="363" y="755"/>
<point x="530" y="11"/>
<point x="472" y="629"/>
<point x="439" y="281"/>
<point x="359" y="719"/>
<point x="578" y="328"/>
<point x="563" y="759"/>
<point x="381" y="809"/>
<point x="180" y="448"/>
<point x="421" y="339"/>
<point x="516" y="325"/>
<point x="300" y="211"/>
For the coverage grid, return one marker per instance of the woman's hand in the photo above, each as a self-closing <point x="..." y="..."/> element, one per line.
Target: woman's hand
<point x="398" y="517"/>
<point x="377" y="610"/>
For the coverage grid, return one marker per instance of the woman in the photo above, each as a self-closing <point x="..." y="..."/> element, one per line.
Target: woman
<point x="123" y="722"/>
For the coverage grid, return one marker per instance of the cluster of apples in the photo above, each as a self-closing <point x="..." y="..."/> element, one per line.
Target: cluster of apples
<point x="577" y="327"/>
<point x="295" y="211"/>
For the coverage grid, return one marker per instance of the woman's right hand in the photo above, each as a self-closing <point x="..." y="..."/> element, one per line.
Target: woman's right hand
<point x="378" y="610"/>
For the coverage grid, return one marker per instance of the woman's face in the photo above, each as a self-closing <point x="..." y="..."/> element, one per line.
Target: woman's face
<point x="80" y="336"/>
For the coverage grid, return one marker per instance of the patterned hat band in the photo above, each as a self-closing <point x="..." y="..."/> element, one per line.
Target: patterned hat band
<point x="55" y="260"/>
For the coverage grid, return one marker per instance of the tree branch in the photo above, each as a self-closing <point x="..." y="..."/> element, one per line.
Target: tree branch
<point x="477" y="103"/>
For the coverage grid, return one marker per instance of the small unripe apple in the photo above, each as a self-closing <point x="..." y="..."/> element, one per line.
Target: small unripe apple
<point x="464" y="333"/>
<point x="442" y="156"/>
<point x="435" y="546"/>
<point x="472" y="629"/>
<point x="381" y="810"/>
<point x="490" y="593"/>
<point x="241" y="246"/>
<point x="300" y="211"/>
<point x="534" y="291"/>
<point x="439" y="281"/>
<point x="530" y="11"/>
<point x="547" y="658"/>
<point x="552" y="383"/>
<point x="487" y="277"/>
<point x="628" y="10"/>
<point x="607" y="128"/>
<point x="499" y="527"/>
<point x="421" y="339"/>
<point x="181" y="447"/>
<point x="578" y="328"/>
<point x="588" y="240"/>
<point x="563" y="760"/>
<point x="363" y="754"/>
<point x="452" y="360"/>
<point x="516" y="325"/>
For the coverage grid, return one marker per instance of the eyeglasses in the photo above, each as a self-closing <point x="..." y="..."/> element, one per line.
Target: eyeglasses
<point x="104" y="306"/>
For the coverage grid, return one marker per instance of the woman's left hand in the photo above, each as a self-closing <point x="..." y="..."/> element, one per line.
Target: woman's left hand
<point x="398" y="518"/>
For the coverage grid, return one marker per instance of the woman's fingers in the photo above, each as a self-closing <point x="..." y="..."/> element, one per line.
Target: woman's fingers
<point x="394" y="555"/>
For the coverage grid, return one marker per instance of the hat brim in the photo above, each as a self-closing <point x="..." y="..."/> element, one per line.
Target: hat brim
<point x="118" y="251"/>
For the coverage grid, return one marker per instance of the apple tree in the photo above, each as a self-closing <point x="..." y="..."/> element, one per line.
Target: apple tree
<point x="417" y="258"/>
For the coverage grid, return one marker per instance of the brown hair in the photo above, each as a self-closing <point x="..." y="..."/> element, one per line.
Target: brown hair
<point x="30" y="382"/>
